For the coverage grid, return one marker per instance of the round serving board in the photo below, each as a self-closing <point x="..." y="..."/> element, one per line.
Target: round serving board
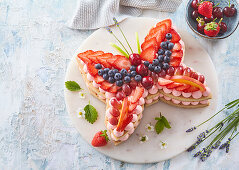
<point x="180" y="119"/>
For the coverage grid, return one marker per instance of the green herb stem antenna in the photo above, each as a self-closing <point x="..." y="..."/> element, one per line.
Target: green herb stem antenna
<point x="117" y="24"/>
<point x="137" y="40"/>
<point x="216" y="5"/>
<point x="119" y="49"/>
<point x="111" y="32"/>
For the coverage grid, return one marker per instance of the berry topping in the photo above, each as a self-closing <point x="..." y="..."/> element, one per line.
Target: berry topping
<point x="132" y="106"/>
<point x="175" y="36"/>
<point x="111" y="73"/>
<point x="164" y="45"/>
<point x="133" y="84"/>
<point x="106" y="70"/>
<point x="149" y="54"/>
<point x="164" y="82"/>
<point x="100" y="139"/>
<point x="126" y="89"/>
<point x="92" y="70"/>
<point x="113" y="121"/>
<point x="116" y="71"/>
<point x="133" y="73"/>
<point x="115" y="103"/>
<point x="166" y="59"/>
<point x="118" y="76"/>
<point x="119" y="83"/>
<point x="147" y="82"/>
<point x="101" y="72"/>
<point x="127" y="79"/>
<point x="151" y="67"/>
<point x="122" y="62"/>
<point x="177" y="47"/>
<point x="168" y="36"/>
<point x="142" y="70"/>
<point x="123" y="72"/>
<point x="155" y="62"/>
<point x="114" y="110"/>
<point x="146" y="63"/>
<point x="183" y="87"/>
<point x="138" y="78"/>
<point x="151" y="42"/>
<point x="135" y="59"/>
<point x="106" y="86"/>
<point x="132" y="68"/>
<point x="160" y="52"/>
<point x="162" y="73"/>
<point x="170" y="46"/>
<point x="201" y="78"/>
<point x="165" y="66"/>
<point x="187" y="72"/>
<point x="114" y="89"/>
<point x="160" y="58"/>
<point x="98" y="79"/>
<point x="205" y="9"/>
<point x="111" y="80"/>
<point x="98" y="66"/>
<point x="120" y="95"/>
<point x="138" y="93"/>
<point x="170" y="71"/>
<point x="174" y="85"/>
<point x="179" y="71"/>
<point x="191" y="89"/>
<point x="105" y="76"/>
<point x="194" y="75"/>
<point x="157" y="69"/>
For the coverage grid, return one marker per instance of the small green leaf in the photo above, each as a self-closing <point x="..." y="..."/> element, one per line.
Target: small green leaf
<point x="158" y="118"/>
<point x="159" y="126"/>
<point x="91" y="113"/>
<point x="137" y="40"/>
<point x="104" y="133"/>
<point x="119" y="49"/>
<point x="166" y="123"/>
<point x="72" y="86"/>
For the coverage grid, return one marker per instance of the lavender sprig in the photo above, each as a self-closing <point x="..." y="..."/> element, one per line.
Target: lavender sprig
<point x="224" y="127"/>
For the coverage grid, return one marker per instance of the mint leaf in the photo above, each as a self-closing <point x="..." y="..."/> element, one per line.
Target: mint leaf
<point x="166" y="123"/>
<point x="91" y="113"/>
<point x="158" y="118"/>
<point x="72" y="86"/>
<point x="159" y="126"/>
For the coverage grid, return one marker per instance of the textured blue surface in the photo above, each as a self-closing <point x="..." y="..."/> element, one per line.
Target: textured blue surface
<point x="35" y="130"/>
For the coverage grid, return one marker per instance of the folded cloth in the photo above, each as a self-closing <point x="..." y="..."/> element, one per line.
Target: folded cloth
<point x="92" y="14"/>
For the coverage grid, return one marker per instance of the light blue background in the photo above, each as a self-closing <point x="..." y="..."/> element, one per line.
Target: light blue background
<point x="35" y="131"/>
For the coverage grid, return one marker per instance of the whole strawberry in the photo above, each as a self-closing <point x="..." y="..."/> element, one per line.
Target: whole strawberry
<point x="212" y="29"/>
<point x="205" y="9"/>
<point x="100" y="139"/>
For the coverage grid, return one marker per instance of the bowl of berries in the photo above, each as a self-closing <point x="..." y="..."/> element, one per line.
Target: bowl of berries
<point x="213" y="19"/>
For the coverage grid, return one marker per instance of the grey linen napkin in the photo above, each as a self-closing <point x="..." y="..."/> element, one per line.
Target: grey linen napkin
<point x="92" y="14"/>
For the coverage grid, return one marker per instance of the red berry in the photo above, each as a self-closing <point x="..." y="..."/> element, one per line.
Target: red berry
<point x="178" y="70"/>
<point x="126" y="89"/>
<point x="113" y="121"/>
<point x="170" y="71"/>
<point x="142" y="70"/>
<point x="223" y="27"/>
<point x="133" y="84"/>
<point x="120" y="95"/>
<point x="195" y="4"/>
<point x="194" y="75"/>
<point x="115" y="103"/>
<point x="135" y="59"/>
<point x="194" y="14"/>
<point x="187" y="72"/>
<point x="147" y="82"/>
<point x="114" y="112"/>
<point x="100" y="139"/>
<point x="162" y="73"/>
<point x="217" y="12"/>
<point x="200" y="28"/>
<point x="201" y="78"/>
<point x="207" y="20"/>
<point x="229" y="11"/>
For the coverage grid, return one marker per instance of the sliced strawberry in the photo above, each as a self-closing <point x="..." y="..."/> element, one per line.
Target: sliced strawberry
<point x="175" y="62"/>
<point x="177" y="54"/>
<point x="114" y="89"/>
<point x="157" y="32"/>
<point x="132" y="106"/>
<point x="175" y="36"/>
<point x="183" y="87"/>
<point x="167" y="22"/>
<point x="122" y="62"/>
<point x="102" y="59"/>
<point x="191" y="89"/>
<point x="149" y="54"/>
<point x="126" y="121"/>
<point x="98" y="79"/>
<point x="92" y="70"/>
<point x="149" y="43"/>
<point x="164" y="82"/>
<point x="138" y="93"/>
<point x="83" y="56"/>
<point x="177" y="47"/>
<point x="112" y="59"/>
<point x="174" y="85"/>
<point x="123" y="114"/>
<point x="152" y="33"/>
<point x="93" y="56"/>
<point x="106" y="86"/>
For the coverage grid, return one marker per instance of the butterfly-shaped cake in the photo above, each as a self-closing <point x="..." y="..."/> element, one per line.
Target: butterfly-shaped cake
<point x="128" y="83"/>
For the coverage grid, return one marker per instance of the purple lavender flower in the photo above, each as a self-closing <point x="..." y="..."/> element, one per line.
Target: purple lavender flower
<point x="191" y="129"/>
<point x="116" y="22"/>
<point x="108" y="29"/>
<point x="197" y="154"/>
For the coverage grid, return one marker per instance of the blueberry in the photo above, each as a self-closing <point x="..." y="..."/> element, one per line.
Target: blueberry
<point x="138" y="78"/>
<point x="168" y="53"/>
<point x="133" y="73"/>
<point x="160" y="65"/>
<point x="166" y="59"/>
<point x="157" y="69"/>
<point x="111" y="73"/>
<point x="160" y="58"/>
<point x="101" y="72"/>
<point x="106" y="70"/>
<point x="168" y="36"/>
<point x="129" y="74"/>
<point x="119" y="83"/>
<point x="116" y="71"/>
<point x="118" y="76"/>
<point x="123" y="72"/>
<point x="160" y="52"/>
<point x="132" y="68"/>
<point x="111" y="79"/>
<point x="155" y="62"/>
<point x="105" y="76"/>
<point x="127" y="79"/>
<point x="164" y="45"/>
<point x="146" y="63"/>
<point x="165" y="66"/>
<point x="98" y="66"/>
<point x="151" y="67"/>
<point x="170" y="46"/>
